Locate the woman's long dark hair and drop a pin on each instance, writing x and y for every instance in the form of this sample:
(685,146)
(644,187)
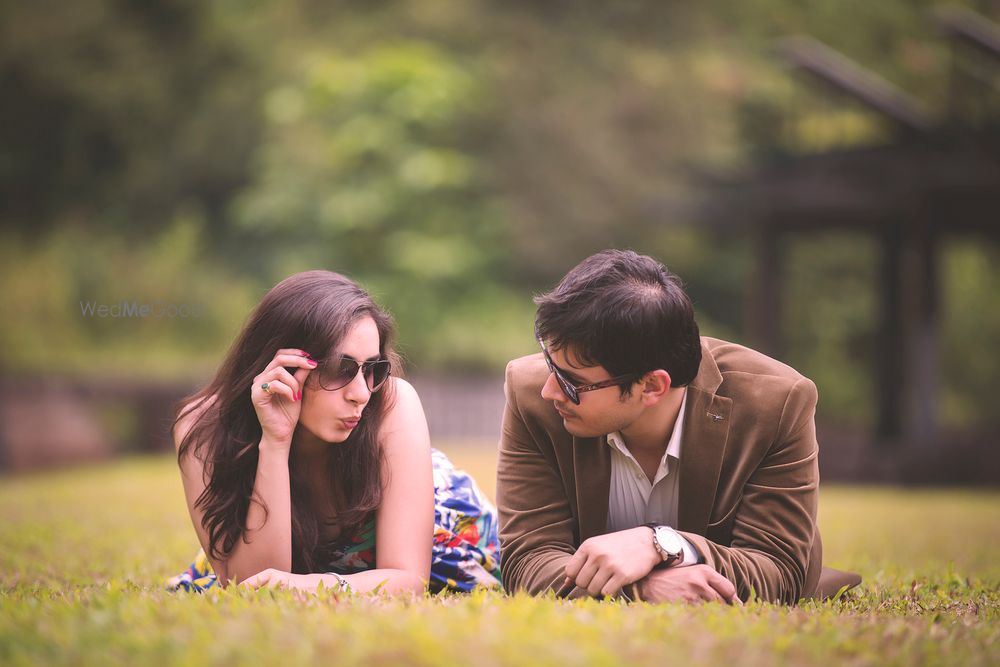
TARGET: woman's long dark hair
(312,311)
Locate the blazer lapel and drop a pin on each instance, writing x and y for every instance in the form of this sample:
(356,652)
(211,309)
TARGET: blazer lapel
(703,443)
(592,468)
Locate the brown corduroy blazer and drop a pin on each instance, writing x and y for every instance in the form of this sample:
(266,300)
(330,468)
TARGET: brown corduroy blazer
(748,478)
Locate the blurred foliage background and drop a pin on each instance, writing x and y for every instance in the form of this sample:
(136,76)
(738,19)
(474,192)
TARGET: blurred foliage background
(455,157)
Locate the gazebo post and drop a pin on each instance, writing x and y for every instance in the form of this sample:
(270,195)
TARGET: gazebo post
(921,300)
(889,343)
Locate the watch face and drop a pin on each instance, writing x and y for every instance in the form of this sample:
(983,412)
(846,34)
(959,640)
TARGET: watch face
(669,540)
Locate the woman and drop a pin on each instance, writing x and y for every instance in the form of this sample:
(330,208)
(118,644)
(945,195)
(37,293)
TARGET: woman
(306,460)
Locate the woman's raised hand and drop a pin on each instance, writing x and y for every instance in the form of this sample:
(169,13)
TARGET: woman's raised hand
(279,405)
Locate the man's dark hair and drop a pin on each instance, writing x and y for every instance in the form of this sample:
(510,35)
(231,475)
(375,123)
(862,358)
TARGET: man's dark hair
(626,312)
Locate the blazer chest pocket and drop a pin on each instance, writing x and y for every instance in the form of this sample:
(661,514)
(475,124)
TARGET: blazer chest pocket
(721,531)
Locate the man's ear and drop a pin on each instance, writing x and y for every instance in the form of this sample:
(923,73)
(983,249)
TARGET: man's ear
(655,385)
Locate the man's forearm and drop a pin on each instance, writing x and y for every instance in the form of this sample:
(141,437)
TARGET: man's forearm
(538,572)
(769,547)
(768,576)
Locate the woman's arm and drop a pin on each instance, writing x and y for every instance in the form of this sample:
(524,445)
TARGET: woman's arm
(267,537)
(404,523)
(194,477)
(264,544)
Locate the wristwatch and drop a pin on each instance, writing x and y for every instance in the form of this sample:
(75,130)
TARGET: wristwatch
(669,544)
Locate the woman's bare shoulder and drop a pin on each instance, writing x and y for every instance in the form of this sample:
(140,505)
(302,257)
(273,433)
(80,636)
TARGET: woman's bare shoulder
(190,414)
(407,413)
(405,392)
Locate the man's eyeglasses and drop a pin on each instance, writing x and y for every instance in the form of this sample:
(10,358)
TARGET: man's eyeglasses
(573,391)
(338,373)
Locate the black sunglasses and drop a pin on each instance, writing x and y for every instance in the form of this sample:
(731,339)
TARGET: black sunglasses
(573,391)
(338,373)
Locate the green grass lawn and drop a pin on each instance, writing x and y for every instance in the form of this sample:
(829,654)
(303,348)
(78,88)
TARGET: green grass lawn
(83,556)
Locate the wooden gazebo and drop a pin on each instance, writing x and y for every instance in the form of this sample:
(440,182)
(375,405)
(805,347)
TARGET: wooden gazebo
(934,177)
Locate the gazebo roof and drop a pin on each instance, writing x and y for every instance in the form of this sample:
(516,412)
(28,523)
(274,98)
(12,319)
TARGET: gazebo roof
(943,174)
(954,178)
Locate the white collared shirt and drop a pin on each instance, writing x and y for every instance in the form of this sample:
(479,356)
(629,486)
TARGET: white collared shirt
(633,500)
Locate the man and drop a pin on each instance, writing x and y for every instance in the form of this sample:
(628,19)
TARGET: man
(640,459)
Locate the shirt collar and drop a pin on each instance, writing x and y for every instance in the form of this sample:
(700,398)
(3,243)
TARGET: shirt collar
(616,440)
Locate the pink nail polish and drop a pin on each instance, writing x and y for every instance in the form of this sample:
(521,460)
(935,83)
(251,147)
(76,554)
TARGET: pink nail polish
(311,362)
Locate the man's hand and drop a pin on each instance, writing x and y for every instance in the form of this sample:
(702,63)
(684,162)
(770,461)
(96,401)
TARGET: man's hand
(605,563)
(694,583)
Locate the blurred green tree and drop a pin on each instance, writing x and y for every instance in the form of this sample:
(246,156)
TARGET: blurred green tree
(455,156)
(366,167)
(118,114)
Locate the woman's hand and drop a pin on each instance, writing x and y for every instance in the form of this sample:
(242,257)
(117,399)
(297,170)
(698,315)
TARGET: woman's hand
(287,580)
(281,579)
(384,582)
(279,406)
